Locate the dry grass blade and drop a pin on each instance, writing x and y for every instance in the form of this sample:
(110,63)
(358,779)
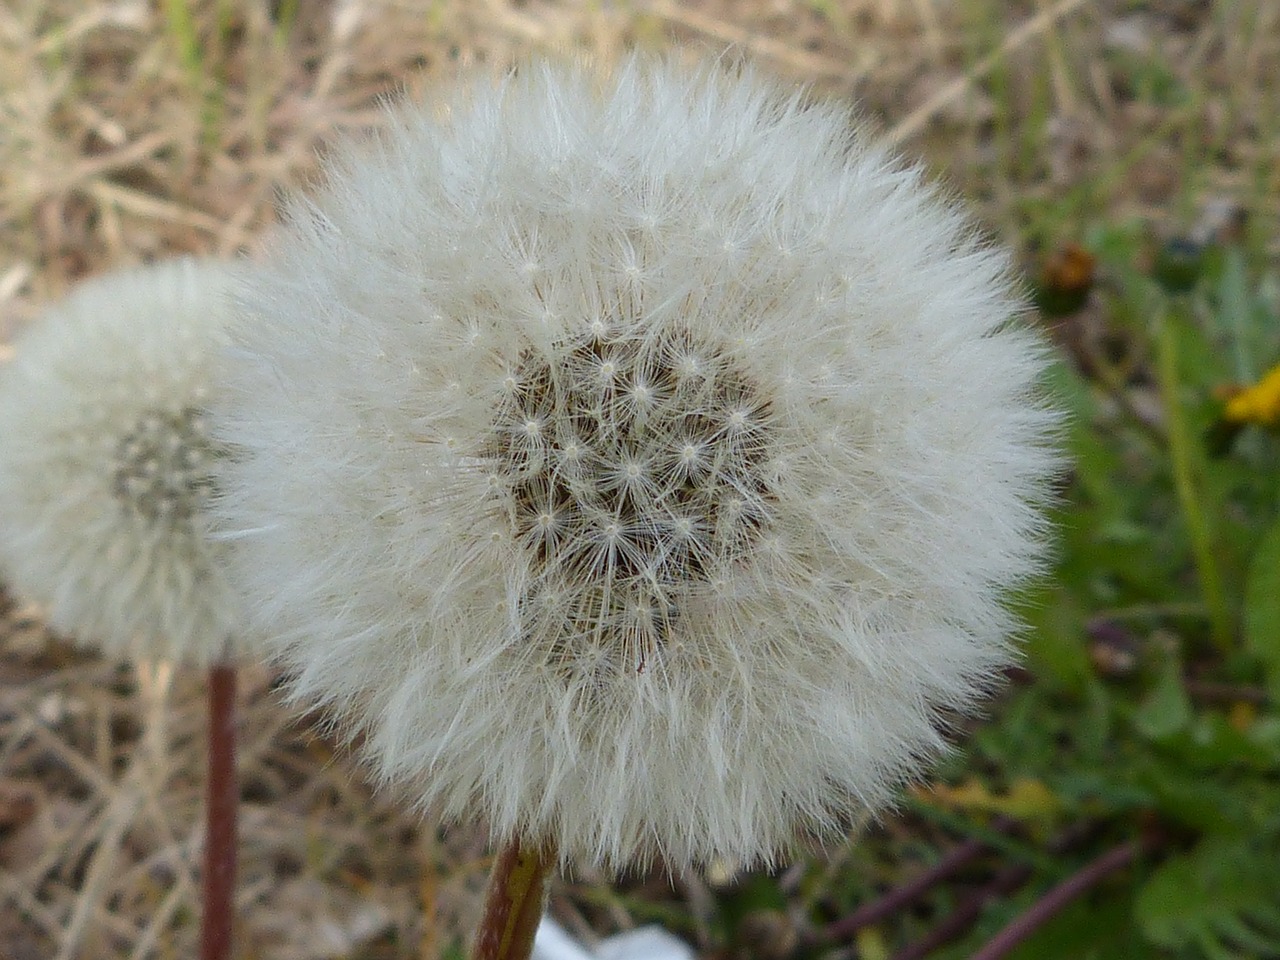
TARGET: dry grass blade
(1032,28)
(93,891)
(109,155)
(794,58)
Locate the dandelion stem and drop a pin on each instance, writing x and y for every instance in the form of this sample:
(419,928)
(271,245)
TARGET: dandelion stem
(220,831)
(514,903)
(967,912)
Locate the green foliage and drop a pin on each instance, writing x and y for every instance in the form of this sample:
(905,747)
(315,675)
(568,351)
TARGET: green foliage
(1152,709)
(1262,608)
(1166,709)
(1221,900)
(1172,552)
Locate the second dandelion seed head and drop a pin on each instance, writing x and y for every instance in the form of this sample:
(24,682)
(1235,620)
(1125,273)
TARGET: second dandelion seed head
(106,463)
(164,465)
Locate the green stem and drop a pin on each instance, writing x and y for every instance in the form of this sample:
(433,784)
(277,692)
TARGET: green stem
(1155,611)
(1181,452)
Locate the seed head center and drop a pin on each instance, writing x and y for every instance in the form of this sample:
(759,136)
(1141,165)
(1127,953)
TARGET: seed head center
(163,466)
(632,470)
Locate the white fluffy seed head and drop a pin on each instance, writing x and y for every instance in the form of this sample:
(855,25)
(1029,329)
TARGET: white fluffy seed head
(684,542)
(106,464)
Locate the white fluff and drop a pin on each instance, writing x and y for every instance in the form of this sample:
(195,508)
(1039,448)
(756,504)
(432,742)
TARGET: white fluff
(105,464)
(640,461)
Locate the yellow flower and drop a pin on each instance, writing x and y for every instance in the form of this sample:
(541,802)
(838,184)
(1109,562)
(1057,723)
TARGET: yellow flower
(1258,404)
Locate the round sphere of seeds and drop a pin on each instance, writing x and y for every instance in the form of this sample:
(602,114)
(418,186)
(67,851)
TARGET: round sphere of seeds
(106,464)
(641,461)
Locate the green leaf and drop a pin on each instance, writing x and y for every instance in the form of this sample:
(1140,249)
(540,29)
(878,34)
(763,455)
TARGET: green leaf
(1071,391)
(1262,607)
(755,894)
(1234,314)
(1166,710)
(1221,897)
(1058,647)
(1190,798)
(1211,743)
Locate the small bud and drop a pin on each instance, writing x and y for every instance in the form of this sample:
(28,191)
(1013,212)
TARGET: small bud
(1178,265)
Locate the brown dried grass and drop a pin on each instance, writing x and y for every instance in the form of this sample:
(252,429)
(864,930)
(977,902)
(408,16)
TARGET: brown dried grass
(124,138)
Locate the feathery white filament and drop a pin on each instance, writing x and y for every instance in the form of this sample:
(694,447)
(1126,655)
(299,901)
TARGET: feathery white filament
(106,465)
(642,461)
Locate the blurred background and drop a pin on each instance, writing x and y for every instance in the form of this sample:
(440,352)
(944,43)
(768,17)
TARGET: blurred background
(1122,797)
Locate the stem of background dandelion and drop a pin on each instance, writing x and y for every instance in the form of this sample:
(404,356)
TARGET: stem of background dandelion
(1182,453)
(514,903)
(222,795)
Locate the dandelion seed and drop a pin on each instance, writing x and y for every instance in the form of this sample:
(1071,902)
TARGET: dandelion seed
(106,466)
(712,656)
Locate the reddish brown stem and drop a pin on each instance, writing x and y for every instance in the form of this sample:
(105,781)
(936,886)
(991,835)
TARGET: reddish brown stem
(222,794)
(1056,899)
(913,889)
(967,912)
(513,904)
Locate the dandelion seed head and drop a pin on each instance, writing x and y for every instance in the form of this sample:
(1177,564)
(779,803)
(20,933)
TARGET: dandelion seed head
(107,464)
(711,539)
